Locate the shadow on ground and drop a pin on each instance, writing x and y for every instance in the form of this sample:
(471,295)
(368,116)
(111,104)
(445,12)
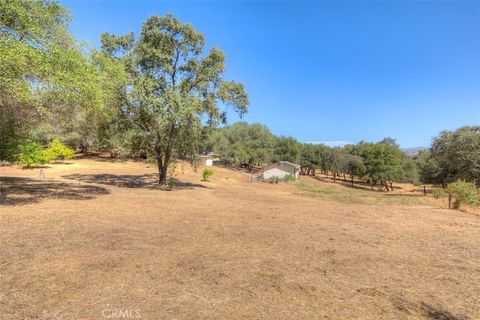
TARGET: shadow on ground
(20,191)
(423,310)
(438,313)
(362,185)
(148,181)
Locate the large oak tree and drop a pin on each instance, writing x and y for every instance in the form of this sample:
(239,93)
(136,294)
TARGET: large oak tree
(176,88)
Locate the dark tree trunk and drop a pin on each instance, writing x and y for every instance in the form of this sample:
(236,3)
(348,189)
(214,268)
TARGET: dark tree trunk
(163,168)
(386,186)
(162,174)
(334,176)
(352,179)
(344,177)
(313,172)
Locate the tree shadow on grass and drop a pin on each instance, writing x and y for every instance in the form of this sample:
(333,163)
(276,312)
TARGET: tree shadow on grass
(438,314)
(424,310)
(37,166)
(147,181)
(21,191)
(362,185)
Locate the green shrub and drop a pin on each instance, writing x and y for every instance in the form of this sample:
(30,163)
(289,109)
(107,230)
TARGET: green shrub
(273,179)
(439,193)
(288,177)
(32,154)
(59,150)
(464,192)
(206,174)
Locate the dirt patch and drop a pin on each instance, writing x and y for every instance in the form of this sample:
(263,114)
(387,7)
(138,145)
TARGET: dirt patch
(96,237)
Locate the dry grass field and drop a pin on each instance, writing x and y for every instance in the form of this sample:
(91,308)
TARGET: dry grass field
(95,239)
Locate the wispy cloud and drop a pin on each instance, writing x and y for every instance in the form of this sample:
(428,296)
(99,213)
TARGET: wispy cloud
(332,143)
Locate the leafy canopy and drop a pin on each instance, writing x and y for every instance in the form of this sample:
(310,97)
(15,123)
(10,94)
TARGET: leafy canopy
(175,87)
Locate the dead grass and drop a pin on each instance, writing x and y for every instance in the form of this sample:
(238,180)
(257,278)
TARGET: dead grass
(96,236)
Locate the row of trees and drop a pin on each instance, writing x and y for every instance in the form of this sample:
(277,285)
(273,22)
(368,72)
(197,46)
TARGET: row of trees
(453,156)
(254,145)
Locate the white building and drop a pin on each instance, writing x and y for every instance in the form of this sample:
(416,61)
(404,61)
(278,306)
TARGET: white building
(207,159)
(280,170)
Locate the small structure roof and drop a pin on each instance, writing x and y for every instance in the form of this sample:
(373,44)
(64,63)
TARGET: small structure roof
(280,163)
(290,164)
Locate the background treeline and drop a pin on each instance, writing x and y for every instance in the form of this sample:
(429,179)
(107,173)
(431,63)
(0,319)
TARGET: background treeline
(162,95)
(452,156)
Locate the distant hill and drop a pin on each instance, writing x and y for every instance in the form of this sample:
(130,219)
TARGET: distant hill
(413,151)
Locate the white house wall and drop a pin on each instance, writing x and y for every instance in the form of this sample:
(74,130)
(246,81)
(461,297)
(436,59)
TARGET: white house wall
(275,172)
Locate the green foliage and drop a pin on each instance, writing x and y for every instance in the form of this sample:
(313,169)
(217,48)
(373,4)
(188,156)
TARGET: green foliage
(464,192)
(59,150)
(312,156)
(428,167)
(288,178)
(174,85)
(11,136)
(47,86)
(383,162)
(334,160)
(244,144)
(439,193)
(455,155)
(206,174)
(112,128)
(32,154)
(409,169)
(287,149)
(355,166)
(273,179)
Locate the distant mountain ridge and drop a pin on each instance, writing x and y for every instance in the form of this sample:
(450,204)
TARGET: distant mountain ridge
(413,151)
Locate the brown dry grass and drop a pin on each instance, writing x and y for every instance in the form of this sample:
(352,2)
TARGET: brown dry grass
(95,236)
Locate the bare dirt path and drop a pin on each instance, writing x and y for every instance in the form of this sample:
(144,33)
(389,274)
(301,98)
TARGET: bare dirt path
(95,238)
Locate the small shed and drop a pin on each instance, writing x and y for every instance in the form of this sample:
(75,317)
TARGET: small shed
(281,169)
(207,159)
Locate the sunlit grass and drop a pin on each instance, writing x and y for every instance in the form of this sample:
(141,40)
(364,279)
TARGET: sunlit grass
(354,196)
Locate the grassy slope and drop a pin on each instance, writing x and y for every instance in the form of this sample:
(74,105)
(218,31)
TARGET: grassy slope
(343,194)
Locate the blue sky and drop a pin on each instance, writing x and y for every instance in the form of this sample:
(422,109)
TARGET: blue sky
(331,71)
